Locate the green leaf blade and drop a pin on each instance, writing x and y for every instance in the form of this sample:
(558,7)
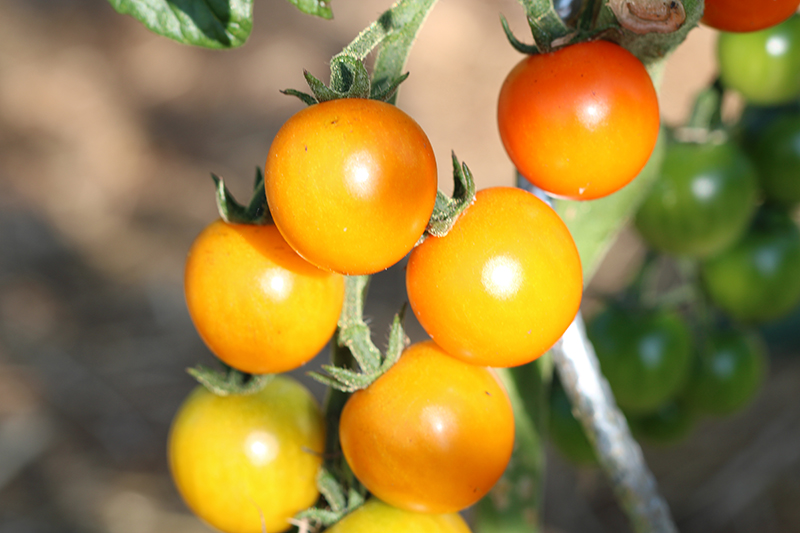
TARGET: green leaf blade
(214,24)
(317,8)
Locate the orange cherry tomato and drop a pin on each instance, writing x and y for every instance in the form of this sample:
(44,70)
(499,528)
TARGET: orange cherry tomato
(433,434)
(580,122)
(243,459)
(375,516)
(503,285)
(747,15)
(351,184)
(259,306)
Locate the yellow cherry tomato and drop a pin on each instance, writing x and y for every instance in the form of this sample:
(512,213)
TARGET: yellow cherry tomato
(241,460)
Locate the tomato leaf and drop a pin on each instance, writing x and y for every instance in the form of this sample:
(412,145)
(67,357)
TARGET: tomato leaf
(318,8)
(206,23)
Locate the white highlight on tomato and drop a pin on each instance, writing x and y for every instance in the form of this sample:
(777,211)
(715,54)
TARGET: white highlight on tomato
(502,277)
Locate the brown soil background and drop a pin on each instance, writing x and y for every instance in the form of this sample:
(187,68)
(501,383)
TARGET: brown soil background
(107,137)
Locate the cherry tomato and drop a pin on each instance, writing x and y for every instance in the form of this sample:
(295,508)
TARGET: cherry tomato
(758,278)
(351,184)
(765,65)
(645,356)
(669,424)
(702,202)
(777,156)
(580,122)
(728,373)
(503,285)
(241,460)
(259,306)
(747,15)
(433,434)
(376,516)
(566,432)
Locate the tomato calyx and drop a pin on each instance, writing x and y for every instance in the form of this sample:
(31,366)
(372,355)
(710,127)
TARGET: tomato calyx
(232,212)
(354,334)
(229,381)
(349,79)
(341,502)
(447,210)
(649,16)
(705,121)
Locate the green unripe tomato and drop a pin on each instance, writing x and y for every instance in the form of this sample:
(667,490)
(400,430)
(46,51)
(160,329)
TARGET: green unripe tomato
(763,65)
(758,278)
(670,424)
(566,432)
(702,202)
(777,156)
(644,355)
(728,372)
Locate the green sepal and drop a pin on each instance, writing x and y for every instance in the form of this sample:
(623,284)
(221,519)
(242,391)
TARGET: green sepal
(231,211)
(304,97)
(372,364)
(334,494)
(206,23)
(229,381)
(447,210)
(519,46)
(386,90)
(317,8)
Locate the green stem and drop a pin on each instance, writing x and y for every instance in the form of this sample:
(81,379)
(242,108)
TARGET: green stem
(406,18)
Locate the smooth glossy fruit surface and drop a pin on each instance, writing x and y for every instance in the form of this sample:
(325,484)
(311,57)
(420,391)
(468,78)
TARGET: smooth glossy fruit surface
(259,306)
(433,434)
(758,278)
(503,285)
(376,516)
(702,202)
(580,122)
(246,462)
(645,356)
(746,15)
(765,65)
(351,184)
(728,373)
(777,156)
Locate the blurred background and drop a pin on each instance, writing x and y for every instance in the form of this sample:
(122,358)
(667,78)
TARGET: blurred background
(108,134)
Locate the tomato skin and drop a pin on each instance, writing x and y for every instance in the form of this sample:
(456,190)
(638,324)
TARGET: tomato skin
(764,66)
(351,184)
(645,356)
(259,306)
(580,122)
(510,259)
(377,516)
(702,202)
(728,372)
(433,434)
(236,459)
(758,278)
(746,15)
(777,156)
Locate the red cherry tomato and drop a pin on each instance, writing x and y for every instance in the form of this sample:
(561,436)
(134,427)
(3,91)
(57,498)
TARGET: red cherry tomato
(580,122)
(747,15)
(503,285)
